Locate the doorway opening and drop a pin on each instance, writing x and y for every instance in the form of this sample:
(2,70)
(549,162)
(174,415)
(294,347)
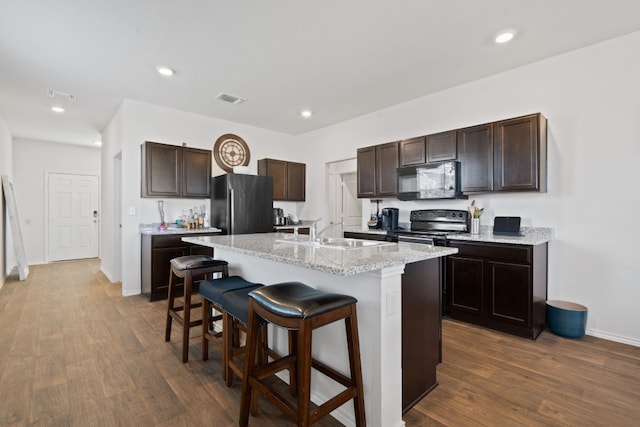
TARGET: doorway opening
(343,204)
(117,218)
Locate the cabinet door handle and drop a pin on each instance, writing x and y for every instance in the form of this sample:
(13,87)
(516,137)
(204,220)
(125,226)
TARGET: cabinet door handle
(231,210)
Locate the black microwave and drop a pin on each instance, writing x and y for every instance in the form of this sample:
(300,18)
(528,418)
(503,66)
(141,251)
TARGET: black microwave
(432,181)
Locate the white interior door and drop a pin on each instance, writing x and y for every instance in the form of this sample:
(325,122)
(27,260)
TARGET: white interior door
(351,206)
(73,216)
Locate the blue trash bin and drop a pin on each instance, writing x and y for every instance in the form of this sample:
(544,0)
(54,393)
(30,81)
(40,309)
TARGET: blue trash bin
(566,319)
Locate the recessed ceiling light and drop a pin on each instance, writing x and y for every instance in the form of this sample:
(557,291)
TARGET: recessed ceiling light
(306,113)
(57,109)
(165,71)
(505,36)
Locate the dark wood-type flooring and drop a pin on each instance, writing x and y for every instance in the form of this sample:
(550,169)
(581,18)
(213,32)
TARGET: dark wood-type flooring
(74,352)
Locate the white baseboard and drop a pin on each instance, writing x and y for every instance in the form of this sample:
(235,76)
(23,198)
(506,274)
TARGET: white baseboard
(131,293)
(612,337)
(106,273)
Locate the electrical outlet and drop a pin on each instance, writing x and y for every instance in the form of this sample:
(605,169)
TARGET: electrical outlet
(132,210)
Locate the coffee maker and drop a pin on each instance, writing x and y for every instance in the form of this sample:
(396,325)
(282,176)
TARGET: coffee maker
(390,218)
(375,220)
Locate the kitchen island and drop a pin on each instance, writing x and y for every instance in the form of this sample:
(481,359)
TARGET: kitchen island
(371,273)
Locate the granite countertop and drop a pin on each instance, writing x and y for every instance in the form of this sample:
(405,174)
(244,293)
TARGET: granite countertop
(282,247)
(155,231)
(530,236)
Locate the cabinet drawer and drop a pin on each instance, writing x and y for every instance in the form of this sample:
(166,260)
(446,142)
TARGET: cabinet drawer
(167,241)
(502,252)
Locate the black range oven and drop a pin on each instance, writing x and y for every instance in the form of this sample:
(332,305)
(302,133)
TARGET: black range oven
(435,239)
(431,227)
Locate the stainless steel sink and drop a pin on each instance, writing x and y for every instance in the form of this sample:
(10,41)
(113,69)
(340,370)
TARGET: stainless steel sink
(336,242)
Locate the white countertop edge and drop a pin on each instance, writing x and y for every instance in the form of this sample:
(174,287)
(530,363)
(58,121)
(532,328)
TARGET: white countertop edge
(157,232)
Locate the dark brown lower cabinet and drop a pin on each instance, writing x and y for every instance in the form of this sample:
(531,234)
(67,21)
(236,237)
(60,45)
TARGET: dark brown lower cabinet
(499,286)
(369,236)
(301,230)
(156,254)
(421,329)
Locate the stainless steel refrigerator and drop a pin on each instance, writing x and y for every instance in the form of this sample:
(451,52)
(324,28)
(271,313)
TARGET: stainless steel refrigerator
(242,204)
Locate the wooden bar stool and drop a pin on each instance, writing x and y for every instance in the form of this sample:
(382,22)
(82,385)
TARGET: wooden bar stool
(189,268)
(300,309)
(211,292)
(230,296)
(234,319)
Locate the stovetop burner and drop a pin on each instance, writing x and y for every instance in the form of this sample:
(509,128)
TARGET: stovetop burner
(439,222)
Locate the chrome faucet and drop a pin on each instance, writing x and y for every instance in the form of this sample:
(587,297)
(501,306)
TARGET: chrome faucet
(312,230)
(321,232)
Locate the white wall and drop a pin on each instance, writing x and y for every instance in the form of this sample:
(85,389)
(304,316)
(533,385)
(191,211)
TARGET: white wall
(33,160)
(137,122)
(591,98)
(110,252)
(7,256)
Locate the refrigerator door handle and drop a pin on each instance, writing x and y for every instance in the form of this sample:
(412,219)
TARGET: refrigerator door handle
(231,210)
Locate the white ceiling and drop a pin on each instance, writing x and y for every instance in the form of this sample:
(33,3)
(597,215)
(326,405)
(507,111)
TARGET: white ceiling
(339,58)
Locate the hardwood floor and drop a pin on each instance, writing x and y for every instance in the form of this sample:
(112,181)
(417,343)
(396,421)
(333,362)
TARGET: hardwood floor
(74,352)
(492,379)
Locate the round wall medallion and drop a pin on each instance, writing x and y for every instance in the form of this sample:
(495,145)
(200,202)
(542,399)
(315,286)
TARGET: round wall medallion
(230,150)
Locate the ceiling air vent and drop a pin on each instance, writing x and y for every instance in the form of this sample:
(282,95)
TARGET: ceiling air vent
(230,98)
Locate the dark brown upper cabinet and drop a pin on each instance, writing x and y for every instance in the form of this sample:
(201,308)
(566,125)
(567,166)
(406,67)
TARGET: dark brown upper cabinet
(508,155)
(196,172)
(296,181)
(174,171)
(476,158)
(289,178)
(377,170)
(366,159)
(442,147)
(439,147)
(520,153)
(413,151)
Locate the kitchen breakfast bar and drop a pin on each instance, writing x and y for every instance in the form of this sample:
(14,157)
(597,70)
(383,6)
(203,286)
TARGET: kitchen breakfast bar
(371,272)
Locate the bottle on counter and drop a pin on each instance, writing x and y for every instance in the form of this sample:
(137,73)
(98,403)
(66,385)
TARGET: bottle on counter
(191,220)
(185,218)
(196,216)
